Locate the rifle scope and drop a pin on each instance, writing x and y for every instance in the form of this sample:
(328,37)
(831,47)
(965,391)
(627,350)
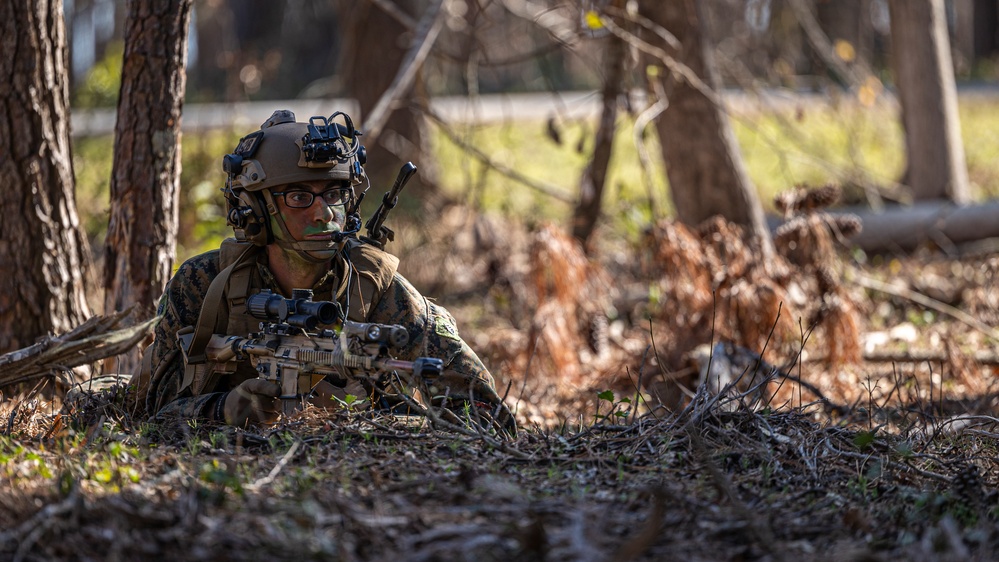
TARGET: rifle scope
(299,311)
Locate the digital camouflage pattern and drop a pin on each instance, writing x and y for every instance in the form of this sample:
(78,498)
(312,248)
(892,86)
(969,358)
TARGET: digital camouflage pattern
(431,329)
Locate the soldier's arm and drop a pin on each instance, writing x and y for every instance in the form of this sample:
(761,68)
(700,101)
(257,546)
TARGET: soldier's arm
(433,333)
(179,307)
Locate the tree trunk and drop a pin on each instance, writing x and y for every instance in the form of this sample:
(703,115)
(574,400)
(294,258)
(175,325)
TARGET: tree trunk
(142,233)
(373,47)
(44,255)
(924,77)
(706,174)
(591,185)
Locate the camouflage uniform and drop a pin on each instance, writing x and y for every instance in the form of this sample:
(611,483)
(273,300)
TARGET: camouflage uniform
(431,329)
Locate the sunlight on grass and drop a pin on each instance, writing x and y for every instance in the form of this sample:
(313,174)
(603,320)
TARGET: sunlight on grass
(814,143)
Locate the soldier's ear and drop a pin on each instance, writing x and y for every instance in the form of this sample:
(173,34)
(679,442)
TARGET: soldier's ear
(248,218)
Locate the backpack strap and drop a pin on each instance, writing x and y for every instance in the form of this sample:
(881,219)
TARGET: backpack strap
(373,270)
(214,317)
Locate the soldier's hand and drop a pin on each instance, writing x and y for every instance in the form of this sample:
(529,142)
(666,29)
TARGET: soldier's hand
(254,401)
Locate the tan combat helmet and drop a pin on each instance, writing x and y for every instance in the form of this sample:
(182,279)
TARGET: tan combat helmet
(284,151)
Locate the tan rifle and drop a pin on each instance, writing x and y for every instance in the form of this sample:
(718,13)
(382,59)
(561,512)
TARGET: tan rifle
(290,351)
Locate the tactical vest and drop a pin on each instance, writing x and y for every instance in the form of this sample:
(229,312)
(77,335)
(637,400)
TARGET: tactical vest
(224,308)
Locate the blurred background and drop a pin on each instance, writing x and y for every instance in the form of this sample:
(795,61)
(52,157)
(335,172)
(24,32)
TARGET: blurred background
(808,84)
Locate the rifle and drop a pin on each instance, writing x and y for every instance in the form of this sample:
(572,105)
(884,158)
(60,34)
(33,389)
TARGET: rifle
(378,233)
(289,351)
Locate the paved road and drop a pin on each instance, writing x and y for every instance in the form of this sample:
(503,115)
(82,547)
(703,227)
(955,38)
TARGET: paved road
(485,109)
(200,117)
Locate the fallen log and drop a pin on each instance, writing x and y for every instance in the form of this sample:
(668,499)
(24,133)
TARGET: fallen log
(981,356)
(940,223)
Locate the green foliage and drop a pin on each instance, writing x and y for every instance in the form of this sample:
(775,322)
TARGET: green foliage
(103,82)
(815,143)
(864,439)
(202,208)
(820,143)
(619,410)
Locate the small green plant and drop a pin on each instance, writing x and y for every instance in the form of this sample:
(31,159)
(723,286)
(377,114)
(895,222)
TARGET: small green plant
(220,479)
(619,410)
(218,440)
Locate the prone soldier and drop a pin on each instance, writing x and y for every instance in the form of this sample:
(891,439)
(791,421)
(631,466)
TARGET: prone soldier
(290,193)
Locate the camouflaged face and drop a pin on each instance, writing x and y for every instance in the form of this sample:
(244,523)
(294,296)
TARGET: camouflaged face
(432,331)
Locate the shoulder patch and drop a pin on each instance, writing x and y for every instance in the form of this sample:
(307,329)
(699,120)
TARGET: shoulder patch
(446,328)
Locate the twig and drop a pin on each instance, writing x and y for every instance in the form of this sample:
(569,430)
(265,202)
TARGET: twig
(548,189)
(919,298)
(274,471)
(426,34)
(393,10)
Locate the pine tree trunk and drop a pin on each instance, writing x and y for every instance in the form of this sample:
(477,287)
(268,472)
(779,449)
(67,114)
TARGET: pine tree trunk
(924,75)
(706,173)
(142,234)
(44,257)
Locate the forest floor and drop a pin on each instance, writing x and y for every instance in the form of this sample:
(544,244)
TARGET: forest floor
(680,397)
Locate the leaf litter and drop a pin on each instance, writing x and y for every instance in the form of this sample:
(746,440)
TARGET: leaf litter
(678,398)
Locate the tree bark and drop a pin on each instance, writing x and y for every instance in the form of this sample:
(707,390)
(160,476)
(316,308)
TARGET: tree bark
(142,234)
(924,77)
(706,173)
(44,255)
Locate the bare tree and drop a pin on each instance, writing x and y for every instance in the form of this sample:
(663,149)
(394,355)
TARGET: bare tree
(706,174)
(591,185)
(373,51)
(43,253)
(145,179)
(925,77)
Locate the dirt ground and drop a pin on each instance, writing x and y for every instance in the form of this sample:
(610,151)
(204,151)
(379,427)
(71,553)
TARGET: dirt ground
(681,396)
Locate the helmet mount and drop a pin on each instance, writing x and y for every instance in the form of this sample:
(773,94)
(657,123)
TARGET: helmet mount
(282,152)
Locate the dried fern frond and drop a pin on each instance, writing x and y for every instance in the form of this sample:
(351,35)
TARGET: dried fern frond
(805,241)
(827,279)
(559,267)
(759,308)
(790,201)
(725,247)
(845,226)
(840,325)
(822,197)
(802,200)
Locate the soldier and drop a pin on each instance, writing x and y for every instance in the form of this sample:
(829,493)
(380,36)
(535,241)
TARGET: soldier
(292,205)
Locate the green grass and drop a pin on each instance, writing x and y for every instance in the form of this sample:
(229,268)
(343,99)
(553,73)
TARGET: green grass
(816,144)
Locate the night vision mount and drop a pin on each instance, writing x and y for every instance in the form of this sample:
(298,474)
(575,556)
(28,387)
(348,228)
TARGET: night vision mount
(328,141)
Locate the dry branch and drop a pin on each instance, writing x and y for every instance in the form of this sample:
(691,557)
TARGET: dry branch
(545,188)
(95,339)
(926,301)
(426,34)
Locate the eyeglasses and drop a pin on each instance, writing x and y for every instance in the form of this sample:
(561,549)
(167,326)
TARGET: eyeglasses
(303,199)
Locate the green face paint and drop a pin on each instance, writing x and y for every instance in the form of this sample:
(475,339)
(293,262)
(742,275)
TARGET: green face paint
(294,221)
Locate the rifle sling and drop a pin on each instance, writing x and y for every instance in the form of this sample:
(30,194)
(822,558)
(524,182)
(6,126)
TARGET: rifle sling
(210,320)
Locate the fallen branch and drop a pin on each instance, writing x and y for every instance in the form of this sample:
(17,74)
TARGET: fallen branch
(943,224)
(982,356)
(95,339)
(919,298)
(426,34)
